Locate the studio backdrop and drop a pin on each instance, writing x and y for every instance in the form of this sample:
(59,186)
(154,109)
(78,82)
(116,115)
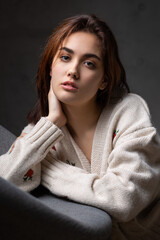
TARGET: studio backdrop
(25,26)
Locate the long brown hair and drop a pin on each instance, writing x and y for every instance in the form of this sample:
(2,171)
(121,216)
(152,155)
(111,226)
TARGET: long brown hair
(114,73)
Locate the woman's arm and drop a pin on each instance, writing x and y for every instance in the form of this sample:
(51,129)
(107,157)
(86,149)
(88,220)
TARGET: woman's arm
(130,183)
(21,165)
(131,179)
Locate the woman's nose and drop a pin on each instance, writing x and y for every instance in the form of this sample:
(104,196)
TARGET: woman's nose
(73,73)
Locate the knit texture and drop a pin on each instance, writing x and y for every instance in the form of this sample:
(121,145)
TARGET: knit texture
(21,165)
(123,176)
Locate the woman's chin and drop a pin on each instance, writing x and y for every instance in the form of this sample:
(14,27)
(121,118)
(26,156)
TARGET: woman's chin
(67,98)
(68,101)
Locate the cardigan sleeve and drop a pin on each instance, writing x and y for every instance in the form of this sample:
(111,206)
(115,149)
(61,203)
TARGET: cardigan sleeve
(21,165)
(131,180)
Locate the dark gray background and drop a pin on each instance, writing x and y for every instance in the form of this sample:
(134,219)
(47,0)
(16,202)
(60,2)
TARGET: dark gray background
(25,26)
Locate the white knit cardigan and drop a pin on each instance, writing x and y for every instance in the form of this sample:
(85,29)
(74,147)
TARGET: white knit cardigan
(123,177)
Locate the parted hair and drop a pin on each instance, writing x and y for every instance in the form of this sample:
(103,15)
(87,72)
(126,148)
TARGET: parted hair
(114,73)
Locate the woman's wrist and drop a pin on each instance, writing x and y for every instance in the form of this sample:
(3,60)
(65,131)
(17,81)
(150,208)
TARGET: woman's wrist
(55,120)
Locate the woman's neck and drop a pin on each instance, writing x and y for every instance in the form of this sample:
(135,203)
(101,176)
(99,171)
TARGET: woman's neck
(81,119)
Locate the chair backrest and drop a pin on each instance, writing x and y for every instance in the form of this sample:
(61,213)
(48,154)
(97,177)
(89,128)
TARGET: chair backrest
(6,139)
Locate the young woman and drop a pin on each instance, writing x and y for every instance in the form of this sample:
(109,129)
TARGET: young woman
(88,138)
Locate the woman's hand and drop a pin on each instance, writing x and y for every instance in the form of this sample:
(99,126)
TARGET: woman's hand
(56,114)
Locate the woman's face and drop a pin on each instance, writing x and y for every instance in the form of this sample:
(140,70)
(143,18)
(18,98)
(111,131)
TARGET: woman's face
(77,69)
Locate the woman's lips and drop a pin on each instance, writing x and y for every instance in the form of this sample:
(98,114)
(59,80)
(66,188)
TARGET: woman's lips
(70,86)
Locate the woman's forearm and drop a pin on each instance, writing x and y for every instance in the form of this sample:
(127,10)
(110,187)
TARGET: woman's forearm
(21,165)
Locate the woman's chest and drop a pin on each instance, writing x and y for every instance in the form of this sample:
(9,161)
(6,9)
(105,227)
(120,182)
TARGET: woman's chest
(91,152)
(85,143)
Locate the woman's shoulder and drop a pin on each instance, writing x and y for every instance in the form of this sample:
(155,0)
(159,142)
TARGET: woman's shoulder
(132,102)
(131,109)
(132,98)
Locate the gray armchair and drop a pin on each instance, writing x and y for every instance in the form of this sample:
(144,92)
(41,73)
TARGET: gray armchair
(44,216)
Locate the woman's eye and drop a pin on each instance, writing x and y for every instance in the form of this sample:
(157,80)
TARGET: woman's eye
(65,58)
(89,64)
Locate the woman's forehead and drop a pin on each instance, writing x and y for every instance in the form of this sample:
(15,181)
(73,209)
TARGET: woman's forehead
(83,42)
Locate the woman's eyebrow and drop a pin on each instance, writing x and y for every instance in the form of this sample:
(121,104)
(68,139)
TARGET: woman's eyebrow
(67,50)
(87,55)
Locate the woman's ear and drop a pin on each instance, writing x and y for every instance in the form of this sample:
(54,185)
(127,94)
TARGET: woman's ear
(103,85)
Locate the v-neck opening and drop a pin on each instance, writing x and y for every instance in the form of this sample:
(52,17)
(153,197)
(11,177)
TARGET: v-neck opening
(82,157)
(86,164)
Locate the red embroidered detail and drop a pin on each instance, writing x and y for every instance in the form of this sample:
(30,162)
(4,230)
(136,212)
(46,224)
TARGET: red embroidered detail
(54,148)
(11,149)
(28,175)
(115,133)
